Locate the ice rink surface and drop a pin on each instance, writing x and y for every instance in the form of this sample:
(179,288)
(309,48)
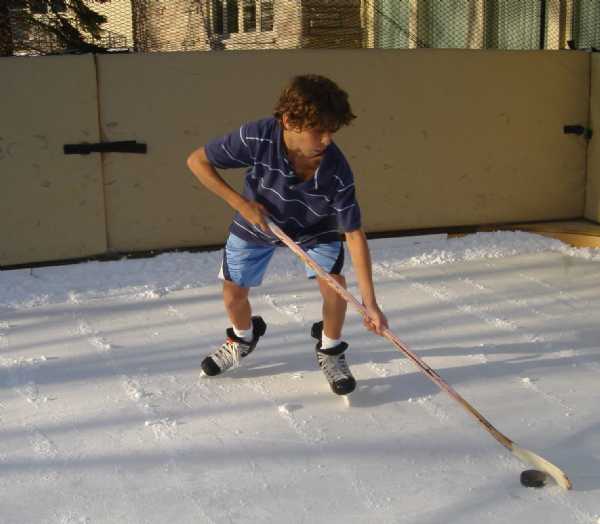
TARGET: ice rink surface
(104,418)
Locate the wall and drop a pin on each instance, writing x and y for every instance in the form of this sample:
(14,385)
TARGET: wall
(52,205)
(443,138)
(592,202)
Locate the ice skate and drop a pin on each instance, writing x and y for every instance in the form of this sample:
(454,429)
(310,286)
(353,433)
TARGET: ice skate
(233,350)
(332,362)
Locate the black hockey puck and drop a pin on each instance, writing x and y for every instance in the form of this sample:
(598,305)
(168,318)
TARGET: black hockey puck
(532,478)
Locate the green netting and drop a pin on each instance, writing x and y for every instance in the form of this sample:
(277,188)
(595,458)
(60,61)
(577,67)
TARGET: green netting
(392,24)
(432,26)
(60,26)
(586,27)
(518,24)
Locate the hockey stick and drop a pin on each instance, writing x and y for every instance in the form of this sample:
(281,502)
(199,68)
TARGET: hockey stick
(526,456)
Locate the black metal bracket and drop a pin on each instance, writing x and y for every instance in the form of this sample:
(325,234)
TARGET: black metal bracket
(578,130)
(126,146)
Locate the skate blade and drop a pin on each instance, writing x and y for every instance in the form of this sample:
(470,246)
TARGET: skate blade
(347,399)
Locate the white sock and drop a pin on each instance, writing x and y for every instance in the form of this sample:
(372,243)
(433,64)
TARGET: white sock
(244,334)
(327,342)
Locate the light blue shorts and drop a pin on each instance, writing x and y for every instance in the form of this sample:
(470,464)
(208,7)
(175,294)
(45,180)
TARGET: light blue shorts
(245,263)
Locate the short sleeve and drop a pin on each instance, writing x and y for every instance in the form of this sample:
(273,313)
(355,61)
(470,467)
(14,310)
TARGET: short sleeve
(344,196)
(347,208)
(230,151)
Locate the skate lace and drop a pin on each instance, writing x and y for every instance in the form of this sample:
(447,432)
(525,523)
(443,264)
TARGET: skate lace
(334,367)
(228,355)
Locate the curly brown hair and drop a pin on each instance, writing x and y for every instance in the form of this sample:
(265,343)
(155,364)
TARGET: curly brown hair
(313,101)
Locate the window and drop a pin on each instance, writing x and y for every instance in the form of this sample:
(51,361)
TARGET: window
(266,15)
(232,16)
(217,16)
(38,7)
(58,6)
(17,4)
(241,16)
(249,16)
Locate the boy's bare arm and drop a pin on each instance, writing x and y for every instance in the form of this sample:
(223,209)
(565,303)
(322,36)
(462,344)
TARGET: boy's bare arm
(361,260)
(204,171)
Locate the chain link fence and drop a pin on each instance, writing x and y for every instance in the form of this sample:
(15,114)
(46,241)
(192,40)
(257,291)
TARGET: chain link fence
(29,27)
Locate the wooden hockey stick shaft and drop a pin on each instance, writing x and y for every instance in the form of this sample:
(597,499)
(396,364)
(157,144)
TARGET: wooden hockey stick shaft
(525,455)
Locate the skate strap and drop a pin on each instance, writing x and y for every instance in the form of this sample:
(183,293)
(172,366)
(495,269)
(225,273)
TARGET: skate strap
(334,351)
(259,327)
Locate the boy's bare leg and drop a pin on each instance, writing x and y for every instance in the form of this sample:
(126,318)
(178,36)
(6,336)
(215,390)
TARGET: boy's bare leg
(237,304)
(334,308)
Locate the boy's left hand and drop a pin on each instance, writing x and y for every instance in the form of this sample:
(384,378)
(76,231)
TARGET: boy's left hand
(377,321)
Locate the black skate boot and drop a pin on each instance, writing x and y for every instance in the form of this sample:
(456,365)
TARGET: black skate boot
(332,362)
(233,350)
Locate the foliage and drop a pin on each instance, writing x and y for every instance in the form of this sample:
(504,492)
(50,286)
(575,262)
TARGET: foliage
(49,26)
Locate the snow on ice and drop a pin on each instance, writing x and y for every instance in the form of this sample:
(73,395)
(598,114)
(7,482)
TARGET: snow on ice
(105,419)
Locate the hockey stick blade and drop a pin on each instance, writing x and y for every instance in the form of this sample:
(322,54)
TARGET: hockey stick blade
(529,457)
(526,456)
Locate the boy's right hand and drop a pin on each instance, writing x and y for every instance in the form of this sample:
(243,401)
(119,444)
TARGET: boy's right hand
(254,213)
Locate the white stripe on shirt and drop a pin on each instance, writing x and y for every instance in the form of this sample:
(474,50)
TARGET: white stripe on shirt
(344,208)
(317,235)
(287,220)
(262,184)
(242,137)
(344,188)
(259,139)
(317,195)
(274,169)
(341,183)
(232,157)
(256,230)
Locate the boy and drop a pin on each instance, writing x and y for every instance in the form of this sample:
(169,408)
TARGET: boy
(299,178)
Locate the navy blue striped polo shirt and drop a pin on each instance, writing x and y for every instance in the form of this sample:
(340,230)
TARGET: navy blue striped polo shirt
(310,212)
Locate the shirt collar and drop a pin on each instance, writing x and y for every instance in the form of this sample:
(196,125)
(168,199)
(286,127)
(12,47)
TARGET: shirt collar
(321,173)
